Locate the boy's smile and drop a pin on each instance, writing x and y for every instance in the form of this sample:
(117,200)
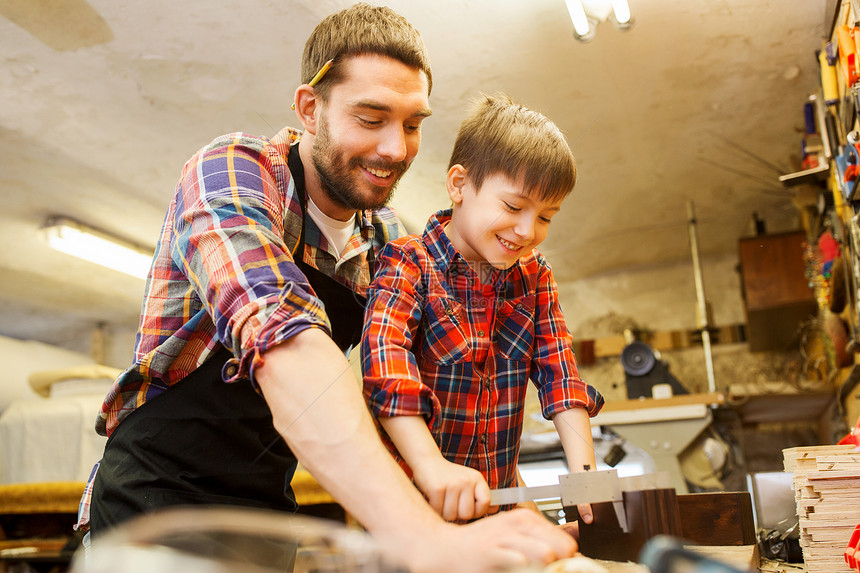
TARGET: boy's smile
(498,223)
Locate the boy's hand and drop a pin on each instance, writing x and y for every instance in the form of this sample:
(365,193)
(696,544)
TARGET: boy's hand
(455,492)
(572,527)
(585,513)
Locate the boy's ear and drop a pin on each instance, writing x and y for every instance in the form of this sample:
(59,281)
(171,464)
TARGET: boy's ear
(307,106)
(456,181)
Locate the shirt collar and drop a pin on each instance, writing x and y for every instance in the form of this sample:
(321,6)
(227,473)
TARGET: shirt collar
(445,254)
(437,242)
(365,221)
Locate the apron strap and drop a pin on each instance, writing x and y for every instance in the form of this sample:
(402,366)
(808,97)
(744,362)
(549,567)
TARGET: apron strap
(344,307)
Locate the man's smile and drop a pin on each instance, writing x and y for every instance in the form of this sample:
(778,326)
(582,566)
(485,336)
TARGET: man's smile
(376,172)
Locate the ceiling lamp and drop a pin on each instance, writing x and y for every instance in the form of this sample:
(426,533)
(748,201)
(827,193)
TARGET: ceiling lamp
(97,247)
(587,14)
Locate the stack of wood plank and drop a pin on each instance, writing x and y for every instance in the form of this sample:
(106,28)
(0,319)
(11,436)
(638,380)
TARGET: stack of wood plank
(826,486)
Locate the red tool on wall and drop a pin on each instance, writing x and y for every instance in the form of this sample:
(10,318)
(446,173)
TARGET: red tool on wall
(852,553)
(848,53)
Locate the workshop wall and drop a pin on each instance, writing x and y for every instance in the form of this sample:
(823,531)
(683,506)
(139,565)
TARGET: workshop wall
(660,299)
(21,358)
(118,347)
(653,298)
(733,364)
(107,345)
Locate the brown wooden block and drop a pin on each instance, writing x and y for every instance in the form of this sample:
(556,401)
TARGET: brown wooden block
(719,518)
(649,513)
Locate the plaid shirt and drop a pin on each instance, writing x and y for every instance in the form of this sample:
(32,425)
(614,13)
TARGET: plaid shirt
(424,329)
(223,271)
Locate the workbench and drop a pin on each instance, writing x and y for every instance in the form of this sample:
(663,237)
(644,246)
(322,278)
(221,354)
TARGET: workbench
(780,402)
(662,427)
(745,557)
(36,522)
(36,519)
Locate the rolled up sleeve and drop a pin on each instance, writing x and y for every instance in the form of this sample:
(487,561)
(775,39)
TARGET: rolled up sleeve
(553,363)
(392,382)
(228,241)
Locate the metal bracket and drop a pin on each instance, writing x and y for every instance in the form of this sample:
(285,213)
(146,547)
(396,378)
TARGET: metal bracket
(586,487)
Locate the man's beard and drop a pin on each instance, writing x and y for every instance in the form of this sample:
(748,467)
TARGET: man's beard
(338,182)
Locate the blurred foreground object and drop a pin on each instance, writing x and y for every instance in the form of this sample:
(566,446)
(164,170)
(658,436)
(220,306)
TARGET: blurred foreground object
(578,564)
(663,554)
(227,539)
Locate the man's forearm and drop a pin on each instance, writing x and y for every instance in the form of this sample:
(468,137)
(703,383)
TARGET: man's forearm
(318,409)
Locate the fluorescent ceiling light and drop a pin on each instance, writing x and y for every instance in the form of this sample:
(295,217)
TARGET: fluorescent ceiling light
(621,11)
(587,14)
(577,15)
(92,245)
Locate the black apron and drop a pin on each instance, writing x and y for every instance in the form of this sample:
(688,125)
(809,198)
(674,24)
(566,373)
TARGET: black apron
(204,441)
(344,307)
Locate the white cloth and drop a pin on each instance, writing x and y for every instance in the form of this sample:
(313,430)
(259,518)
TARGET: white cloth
(52,439)
(337,232)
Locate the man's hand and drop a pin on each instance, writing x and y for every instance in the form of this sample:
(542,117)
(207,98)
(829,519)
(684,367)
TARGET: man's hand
(455,492)
(571,528)
(317,408)
(500,542)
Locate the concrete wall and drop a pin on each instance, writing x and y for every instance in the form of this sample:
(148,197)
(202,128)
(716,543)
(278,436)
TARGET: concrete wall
(664,299)
(655,298)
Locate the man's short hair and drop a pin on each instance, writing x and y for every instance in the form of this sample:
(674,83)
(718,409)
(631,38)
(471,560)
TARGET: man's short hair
(362,29)
(501,136)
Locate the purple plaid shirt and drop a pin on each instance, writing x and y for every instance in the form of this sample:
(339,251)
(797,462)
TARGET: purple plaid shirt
(223,271)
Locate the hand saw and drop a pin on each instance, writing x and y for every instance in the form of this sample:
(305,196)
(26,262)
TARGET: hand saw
(585,487)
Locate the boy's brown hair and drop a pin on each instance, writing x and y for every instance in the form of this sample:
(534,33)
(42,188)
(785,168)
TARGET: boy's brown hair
(501,136)
(362,29)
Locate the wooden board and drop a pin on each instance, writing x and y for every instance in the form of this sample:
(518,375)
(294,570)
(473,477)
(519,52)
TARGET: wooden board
(741,557)
(649,513)
(42,497)
(708,399)
(826,482)
(587,351)
(719,518)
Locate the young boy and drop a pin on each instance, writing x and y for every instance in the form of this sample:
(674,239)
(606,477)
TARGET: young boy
(459,318)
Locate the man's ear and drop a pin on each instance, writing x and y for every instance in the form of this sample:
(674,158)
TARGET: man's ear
(456,182)
(307,105)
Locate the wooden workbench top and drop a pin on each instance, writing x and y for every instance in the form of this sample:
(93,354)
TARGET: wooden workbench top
(715,398)
(64,497)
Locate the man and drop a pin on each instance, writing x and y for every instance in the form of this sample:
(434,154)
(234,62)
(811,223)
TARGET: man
(258,278)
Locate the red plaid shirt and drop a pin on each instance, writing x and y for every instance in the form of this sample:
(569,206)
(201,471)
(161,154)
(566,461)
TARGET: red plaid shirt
(431,348)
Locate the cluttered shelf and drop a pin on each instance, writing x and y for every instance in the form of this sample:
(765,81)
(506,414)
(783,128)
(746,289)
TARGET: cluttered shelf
(826,192)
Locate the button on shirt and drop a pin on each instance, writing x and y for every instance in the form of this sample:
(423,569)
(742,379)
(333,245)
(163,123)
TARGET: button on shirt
(431,348)
(223,271)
